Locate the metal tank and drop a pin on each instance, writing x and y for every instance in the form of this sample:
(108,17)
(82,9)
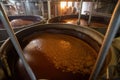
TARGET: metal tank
(98,23)
(19,22)
(9,56)
(94,14)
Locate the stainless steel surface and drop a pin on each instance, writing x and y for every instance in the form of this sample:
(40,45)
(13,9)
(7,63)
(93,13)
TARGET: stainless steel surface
(80,9)
(90,14)
(49,10)
(110,34)
(69,29)
(14,40)
(35,19)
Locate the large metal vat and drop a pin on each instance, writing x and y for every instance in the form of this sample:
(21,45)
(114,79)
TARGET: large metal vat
(21,20)
(98,22)
(9,56)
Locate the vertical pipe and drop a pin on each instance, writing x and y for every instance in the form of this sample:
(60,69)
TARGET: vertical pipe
(24,7)
(80,10)
(27,7)
(15,42)
(56,9)
(42,9)
(18,12)
(49,10)
(90,14)
(110,34)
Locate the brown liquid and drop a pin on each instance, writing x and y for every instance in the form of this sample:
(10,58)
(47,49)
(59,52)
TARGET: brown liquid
(83,22)
(58,56)
(18,23)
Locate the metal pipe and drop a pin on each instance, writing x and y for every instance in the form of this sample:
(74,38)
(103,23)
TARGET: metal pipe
(90,14)
(80,9)
(49,10)
(110,34)
(56,9)
(18,12)
(28,7)
(42,7)
(15,42)
(24,7)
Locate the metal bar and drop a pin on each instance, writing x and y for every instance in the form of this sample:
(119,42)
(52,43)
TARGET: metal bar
(56,9)
(49,10)
(18,12)
(80,9)
(90,14)
(15,42)
(24,7)
(28,8)
(110,34)
(42,9)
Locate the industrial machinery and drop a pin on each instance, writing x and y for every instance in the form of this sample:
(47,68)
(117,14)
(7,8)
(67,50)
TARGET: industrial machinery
(66,42)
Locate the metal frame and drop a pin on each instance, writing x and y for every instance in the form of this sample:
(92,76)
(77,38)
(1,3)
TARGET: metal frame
(111,31)
(110,34)
(15,42)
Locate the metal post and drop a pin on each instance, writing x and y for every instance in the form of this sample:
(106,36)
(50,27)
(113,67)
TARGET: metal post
(24,7)
(90,14)
(110,34)
(42,9)
(15,42)
(49,10)
(17,8)
(56,9)
(80,9)
(27,8)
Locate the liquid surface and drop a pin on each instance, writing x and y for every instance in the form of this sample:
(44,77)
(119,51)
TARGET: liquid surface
(18,23)
(82,22)
(64,53)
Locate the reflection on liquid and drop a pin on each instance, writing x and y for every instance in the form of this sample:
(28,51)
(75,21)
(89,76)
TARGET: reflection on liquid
(83,22)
